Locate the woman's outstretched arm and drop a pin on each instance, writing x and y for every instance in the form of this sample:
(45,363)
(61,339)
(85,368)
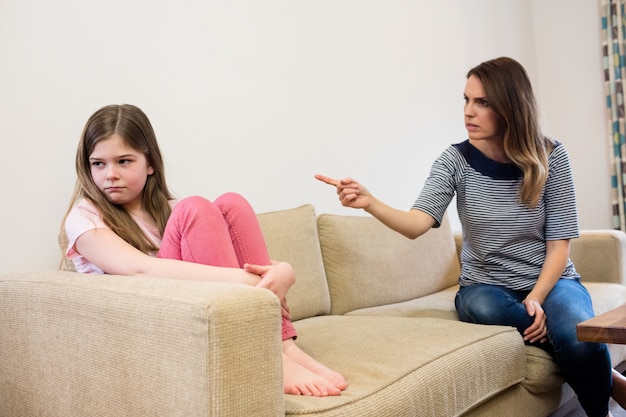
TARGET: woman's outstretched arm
(411,224)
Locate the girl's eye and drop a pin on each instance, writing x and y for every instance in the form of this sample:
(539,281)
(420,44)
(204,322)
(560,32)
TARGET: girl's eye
(97,164)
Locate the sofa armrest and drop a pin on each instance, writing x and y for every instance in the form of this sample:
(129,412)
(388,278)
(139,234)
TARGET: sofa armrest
(75,344)
(599,255)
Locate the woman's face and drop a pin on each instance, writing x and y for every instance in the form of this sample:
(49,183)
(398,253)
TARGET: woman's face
(481,121)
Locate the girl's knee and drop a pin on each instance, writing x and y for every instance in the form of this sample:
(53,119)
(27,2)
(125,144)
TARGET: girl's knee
(193,206)
(193,201)
(230,207)
(231,199)
(234,205)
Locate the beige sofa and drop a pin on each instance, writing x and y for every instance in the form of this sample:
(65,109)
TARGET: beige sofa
(375,306)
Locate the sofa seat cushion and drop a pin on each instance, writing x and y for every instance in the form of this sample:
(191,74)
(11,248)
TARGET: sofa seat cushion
(400,366)
(542,373)
(437,305)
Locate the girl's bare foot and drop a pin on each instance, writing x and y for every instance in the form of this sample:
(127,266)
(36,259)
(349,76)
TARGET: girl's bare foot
(619,389)
(298,380)
(292,351)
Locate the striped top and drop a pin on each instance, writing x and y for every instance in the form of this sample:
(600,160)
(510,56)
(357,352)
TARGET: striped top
(504,242)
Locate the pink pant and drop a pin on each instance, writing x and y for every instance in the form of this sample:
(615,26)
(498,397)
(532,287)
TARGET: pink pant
(221,233)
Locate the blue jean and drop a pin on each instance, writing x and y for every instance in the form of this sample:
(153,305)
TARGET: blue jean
(585,366)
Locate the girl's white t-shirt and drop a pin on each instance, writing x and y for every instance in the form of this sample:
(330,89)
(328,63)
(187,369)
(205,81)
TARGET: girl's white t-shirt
(85,217)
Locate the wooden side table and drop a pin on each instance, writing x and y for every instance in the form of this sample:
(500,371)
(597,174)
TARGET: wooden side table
(609,327)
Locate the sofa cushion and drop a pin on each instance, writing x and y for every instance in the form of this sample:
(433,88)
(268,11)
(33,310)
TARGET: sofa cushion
(367,264)
(291,236)
(542,373)
(401,366)
(599,255)
(437,305)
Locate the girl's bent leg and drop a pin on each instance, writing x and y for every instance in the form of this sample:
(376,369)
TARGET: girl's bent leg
(244,229)
(225,233)
(247,239)
(196,232)
(301,373)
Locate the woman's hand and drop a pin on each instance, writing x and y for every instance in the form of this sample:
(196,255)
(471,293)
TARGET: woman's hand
(351,193)
(537,331)
(277,277)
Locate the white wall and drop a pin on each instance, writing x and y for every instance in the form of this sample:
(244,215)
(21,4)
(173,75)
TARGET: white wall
(571,93)
(257,97)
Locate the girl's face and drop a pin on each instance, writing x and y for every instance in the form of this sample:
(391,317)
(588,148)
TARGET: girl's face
(120,172)
(481,121)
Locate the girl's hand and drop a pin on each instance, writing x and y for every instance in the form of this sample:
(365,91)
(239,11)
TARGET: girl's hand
(351,193)
(284,309)
(537,331)
(278,277)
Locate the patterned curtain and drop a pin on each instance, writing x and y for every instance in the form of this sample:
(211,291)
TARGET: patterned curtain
(613,48)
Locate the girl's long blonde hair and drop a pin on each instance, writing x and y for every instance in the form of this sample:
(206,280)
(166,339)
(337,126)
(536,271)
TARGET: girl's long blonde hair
(510,95)
(133,126)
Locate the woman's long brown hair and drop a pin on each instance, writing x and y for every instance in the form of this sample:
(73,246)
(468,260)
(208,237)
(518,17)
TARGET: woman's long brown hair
(510,95)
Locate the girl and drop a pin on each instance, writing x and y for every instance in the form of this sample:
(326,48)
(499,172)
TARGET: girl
(516,202)
(123,220)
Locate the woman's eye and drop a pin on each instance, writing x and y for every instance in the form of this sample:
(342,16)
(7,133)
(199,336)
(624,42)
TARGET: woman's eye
(96,164)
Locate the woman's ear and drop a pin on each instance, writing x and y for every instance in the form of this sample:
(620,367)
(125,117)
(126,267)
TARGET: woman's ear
(150,170)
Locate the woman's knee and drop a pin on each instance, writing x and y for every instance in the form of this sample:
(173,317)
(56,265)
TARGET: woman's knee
(482,313)
(568,304)
(491,304)
(476,303)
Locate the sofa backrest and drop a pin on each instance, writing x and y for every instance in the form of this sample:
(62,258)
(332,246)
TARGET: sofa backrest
(291,236)
(367,264)
(599,255)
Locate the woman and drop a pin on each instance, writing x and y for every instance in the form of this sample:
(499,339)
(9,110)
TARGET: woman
(517,207)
